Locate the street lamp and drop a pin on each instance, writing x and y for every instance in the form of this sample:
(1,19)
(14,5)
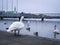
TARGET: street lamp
(2,5)
(6,5)
(12,5)
(17,5)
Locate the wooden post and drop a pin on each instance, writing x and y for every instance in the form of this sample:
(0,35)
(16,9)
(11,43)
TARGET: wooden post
(1,18)
(42,19)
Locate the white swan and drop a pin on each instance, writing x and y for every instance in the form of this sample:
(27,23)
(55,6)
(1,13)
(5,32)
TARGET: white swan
(56,31)
(16,26)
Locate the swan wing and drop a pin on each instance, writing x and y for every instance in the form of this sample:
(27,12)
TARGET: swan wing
(16,25)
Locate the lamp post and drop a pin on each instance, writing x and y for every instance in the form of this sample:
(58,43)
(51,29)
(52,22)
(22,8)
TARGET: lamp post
(2,5)
(17,5)
(6,5)
(12,5)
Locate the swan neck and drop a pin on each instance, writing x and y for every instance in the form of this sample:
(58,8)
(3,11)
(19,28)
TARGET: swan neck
(22,17)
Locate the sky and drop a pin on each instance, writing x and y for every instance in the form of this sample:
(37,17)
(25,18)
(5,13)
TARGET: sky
(31,6)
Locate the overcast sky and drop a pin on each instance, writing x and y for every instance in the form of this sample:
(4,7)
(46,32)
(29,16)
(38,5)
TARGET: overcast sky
(32,6)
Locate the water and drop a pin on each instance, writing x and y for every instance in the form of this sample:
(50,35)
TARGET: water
(44,29)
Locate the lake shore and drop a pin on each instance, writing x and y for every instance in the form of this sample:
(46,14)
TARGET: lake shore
(10,39)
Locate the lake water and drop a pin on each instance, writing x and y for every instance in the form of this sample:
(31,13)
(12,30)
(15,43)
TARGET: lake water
(44,29)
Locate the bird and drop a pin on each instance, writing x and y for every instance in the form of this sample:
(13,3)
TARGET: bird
(28,26)
(16,26)
(56,31)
